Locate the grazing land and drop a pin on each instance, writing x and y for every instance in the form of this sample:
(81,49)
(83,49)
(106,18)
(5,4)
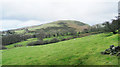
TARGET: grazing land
(78,51)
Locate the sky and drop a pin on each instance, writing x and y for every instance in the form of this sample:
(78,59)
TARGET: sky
(21,13)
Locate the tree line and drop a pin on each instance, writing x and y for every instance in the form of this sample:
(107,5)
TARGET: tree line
(113,26)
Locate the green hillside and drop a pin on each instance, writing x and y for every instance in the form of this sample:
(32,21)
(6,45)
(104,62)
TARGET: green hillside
(79,51)
(61,24)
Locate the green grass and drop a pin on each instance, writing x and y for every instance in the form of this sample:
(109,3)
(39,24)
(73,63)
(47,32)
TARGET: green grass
(24,43)
(20,31)
(38,27)
(44,26)
(79,51)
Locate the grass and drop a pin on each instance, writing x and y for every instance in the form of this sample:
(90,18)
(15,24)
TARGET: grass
(20,31)
(38,27)
(44,26)
(79,51)
(24,43)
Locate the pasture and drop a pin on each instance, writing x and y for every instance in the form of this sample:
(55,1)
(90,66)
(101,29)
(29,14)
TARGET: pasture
(78,51)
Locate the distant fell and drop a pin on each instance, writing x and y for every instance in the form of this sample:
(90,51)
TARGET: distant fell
(60,25)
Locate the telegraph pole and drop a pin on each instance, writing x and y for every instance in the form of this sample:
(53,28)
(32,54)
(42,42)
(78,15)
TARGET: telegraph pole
(119,9)
(118,30)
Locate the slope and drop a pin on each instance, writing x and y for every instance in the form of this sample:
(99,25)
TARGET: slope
(79,51)
(61,24)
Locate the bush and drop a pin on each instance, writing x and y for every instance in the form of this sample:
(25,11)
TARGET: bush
(31,44)
(94,33)
(10,39)
(54,40)
(74,36)
(40,42)
(18,45)
(69,38)
(1,48)
(63,39)
(46,42)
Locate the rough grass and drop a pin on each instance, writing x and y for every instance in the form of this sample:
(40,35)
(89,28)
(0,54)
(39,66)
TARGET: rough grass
(44,26)
(78,27)
(38,27)
(79,51)
(20,31)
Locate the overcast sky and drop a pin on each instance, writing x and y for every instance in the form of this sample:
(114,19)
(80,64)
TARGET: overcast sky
(21,13)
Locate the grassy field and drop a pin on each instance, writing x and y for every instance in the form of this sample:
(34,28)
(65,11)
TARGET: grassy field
(79,51)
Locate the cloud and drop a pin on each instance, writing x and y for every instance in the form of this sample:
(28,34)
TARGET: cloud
(14,24)
(50,9)
(31,23)
(24,12)
(9,24)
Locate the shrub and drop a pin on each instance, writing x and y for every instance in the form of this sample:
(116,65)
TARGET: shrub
(18,45)
(63,39)
(2,48)
(31,44)
(40,42)
(69,38)
(74,36)
(10,39)
(94,33)
(46,42)
(54,40)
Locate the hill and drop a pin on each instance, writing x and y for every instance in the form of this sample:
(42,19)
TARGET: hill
(79,51)
(57,26)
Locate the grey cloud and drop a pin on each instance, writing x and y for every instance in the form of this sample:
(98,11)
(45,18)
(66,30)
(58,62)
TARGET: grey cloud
(88,11)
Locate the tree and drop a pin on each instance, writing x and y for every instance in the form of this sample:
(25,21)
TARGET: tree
(14,38)
(86,30)
(112,27)
(40,35)
(26,30)
(9,32)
